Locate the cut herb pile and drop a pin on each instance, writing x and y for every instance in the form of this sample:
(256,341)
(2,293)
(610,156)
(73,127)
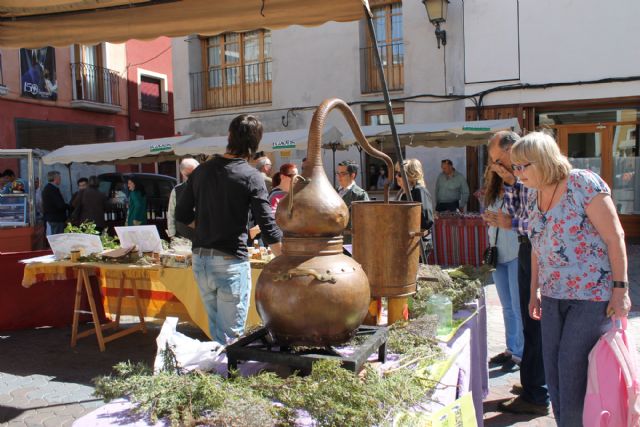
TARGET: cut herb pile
(331,395)
(462,285)
(89,227)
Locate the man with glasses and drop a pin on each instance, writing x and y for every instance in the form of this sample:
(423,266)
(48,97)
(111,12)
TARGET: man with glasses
(452,190)
(349,190)
(534,398)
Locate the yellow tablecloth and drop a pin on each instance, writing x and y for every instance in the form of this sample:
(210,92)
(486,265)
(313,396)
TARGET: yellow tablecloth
(163,291)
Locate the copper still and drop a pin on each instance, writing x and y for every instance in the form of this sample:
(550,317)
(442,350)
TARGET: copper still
(313,294)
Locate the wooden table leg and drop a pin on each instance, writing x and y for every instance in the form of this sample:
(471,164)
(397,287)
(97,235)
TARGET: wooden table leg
(119,303)
(138,306)
(94,311)
(76,310)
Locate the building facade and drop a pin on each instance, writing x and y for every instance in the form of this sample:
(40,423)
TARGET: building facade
(282,75)
(52,97)
(572,69)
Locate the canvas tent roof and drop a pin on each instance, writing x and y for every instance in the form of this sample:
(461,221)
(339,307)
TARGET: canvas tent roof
(137,151)
(271,141)
(451,134)
(38,23)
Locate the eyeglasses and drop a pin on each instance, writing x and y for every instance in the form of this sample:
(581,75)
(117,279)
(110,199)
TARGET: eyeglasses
(342,173)
(521,168)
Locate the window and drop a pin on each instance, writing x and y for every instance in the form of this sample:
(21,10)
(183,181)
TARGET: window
(238,71)
(387,23)
(3,88)
(93,81)
(151,94)
(374,167)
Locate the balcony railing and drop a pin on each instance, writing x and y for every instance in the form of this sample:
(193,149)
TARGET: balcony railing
(392,57)
(95,84)
(158,107)
(221,87)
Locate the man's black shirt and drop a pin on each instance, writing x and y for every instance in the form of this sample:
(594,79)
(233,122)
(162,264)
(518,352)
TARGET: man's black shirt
(223,191)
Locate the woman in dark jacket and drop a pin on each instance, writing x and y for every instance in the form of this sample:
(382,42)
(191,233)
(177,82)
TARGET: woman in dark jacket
(90,205)
(137,213)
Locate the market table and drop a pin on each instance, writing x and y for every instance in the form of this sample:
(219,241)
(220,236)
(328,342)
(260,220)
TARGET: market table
(162,291)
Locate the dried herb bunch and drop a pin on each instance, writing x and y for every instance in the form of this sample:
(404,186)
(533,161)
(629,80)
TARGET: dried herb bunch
(331,395)
(462,285)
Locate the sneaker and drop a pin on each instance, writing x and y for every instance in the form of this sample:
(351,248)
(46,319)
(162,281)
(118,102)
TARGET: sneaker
(518,405)
(500,359)
(516,389)
(510,366)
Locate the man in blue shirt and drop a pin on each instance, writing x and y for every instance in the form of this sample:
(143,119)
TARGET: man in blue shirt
(534,398)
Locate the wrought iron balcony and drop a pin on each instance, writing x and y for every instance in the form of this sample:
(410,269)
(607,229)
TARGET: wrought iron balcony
(392,57)
(95,88)
(221,87)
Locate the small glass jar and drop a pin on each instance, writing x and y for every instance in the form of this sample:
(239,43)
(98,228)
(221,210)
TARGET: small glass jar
(440,306)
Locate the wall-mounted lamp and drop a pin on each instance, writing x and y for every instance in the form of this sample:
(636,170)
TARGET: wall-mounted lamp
(437,13)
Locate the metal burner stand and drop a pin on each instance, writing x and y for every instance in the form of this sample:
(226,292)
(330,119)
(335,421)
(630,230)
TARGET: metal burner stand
(258,347)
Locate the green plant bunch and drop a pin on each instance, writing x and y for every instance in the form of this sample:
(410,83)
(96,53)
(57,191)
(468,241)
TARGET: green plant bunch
(89,227)
(331,395)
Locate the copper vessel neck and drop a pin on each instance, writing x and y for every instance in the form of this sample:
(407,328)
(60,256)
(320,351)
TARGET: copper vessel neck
(311,246)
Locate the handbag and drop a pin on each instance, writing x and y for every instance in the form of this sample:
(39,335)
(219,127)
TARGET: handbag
(490,255)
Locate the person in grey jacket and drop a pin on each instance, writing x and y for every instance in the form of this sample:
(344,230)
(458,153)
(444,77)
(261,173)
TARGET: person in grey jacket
(90,205)
(177,228)
(452,190)
(349,190)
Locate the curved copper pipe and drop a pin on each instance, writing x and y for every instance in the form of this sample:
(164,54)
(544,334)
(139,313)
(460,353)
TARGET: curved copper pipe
(315,136)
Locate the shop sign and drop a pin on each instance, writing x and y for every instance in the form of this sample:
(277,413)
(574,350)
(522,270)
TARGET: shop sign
(284,145)
(156,148)
(476,129)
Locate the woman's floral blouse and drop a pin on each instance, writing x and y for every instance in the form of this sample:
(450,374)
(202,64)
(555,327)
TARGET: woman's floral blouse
(573,261)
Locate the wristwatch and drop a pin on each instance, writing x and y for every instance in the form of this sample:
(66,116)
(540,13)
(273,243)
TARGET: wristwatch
(620,285)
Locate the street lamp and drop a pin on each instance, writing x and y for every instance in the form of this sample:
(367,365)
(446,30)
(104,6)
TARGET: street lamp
(437,13)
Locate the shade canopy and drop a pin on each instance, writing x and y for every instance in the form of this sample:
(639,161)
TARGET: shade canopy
(271,142)
(443,135)
(137,151)
(38,23)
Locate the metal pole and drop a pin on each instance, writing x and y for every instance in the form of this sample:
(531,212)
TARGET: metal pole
(392,123)
(334,147)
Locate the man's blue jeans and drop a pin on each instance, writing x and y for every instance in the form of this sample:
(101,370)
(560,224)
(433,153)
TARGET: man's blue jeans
(506,279)
(225,283)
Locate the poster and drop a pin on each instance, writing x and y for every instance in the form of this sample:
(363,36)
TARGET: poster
(38,73)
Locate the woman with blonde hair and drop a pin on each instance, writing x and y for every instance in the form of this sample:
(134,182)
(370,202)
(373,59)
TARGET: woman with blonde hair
(505,275)
(419,193)
(578,266)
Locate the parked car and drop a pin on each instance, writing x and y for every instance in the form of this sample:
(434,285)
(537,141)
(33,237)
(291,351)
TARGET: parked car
(157,188)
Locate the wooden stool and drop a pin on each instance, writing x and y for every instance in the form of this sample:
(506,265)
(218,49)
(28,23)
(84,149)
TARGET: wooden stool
(98,328)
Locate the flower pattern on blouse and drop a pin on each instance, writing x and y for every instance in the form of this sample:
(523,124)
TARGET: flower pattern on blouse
(573,261)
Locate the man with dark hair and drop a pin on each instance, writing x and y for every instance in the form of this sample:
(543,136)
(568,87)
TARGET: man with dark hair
(452,190)
(219,195)
(8,176)
(83,183)
(534,398)
(349,190)
(54,208)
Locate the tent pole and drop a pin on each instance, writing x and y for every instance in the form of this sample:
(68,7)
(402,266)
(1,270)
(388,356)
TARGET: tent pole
(392,123)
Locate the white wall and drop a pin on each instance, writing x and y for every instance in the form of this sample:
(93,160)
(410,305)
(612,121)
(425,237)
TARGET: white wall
(559,41)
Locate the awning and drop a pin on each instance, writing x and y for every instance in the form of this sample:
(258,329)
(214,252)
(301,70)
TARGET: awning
(38,23)
(443,135)
(137,151)
(271,142)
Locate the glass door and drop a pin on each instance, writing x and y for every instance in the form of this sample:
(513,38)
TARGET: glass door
(626,163)
(584,146)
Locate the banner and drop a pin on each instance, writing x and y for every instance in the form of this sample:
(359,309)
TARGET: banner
(38,73)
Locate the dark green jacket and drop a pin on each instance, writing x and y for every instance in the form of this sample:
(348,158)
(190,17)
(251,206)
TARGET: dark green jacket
(137,208)
(354,194)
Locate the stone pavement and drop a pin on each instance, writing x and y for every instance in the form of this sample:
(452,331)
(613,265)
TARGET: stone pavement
(45,382)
